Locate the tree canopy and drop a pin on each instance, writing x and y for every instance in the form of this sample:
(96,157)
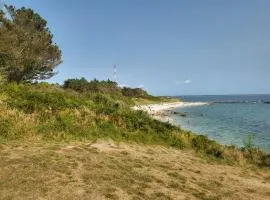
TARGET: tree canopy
(82,85)
(134,92)
(27,51)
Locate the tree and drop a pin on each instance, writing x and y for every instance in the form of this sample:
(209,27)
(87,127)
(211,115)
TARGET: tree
(134,92)
(80,85)
(27,51)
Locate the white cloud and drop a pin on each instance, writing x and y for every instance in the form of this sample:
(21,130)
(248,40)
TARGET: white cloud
(182,82)
(187,81)
(141,86)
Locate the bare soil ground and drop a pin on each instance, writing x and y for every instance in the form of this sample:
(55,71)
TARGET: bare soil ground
(107,170)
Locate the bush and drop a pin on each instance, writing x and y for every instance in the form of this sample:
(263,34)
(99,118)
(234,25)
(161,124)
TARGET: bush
(249,142)
(15,125)
(5,127)
(136,92)
(32,99)
(82,85)
(202,143)
(2,80)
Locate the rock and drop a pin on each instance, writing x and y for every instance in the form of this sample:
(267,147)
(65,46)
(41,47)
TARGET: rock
(182,114)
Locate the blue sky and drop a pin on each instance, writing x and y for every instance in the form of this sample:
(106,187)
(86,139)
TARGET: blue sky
(170,47)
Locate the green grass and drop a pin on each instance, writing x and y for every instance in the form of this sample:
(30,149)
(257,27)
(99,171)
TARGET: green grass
(44,112)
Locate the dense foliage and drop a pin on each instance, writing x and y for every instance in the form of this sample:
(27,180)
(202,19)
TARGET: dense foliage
(27,51)
(134,92)
(82,85)
(111,87)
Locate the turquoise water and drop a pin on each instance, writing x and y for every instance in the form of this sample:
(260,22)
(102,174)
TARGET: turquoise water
(230,120)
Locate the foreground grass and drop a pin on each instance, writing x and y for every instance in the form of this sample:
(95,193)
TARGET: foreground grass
(104,169)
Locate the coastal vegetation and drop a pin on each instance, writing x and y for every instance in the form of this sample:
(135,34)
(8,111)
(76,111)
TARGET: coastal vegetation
(27,51)
(90,144)
(49,112)
(53,137)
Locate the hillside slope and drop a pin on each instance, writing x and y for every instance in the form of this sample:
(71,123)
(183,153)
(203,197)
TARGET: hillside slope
(49,113)
(54,145)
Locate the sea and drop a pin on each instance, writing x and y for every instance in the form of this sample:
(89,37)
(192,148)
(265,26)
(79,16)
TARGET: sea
(229,119)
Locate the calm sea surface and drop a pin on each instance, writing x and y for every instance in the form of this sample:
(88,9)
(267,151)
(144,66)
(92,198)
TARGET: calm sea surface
(229,119)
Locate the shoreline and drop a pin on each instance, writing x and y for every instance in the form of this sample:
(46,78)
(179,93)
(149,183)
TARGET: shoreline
(162,112)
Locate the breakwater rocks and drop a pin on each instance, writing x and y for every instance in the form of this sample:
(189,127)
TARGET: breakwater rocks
(181,114)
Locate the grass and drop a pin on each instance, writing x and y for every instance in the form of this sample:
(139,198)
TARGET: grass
(100,170)
(44,112)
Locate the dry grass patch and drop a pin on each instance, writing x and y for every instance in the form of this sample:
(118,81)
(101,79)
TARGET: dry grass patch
(108,170)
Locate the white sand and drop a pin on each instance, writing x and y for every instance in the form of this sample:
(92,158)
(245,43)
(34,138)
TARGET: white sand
(158,111)
(153,108)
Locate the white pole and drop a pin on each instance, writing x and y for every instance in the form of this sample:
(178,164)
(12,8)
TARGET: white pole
(114,73)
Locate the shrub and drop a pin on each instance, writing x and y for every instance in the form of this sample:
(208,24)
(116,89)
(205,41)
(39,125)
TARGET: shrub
(82,85)
(31,99)
(2,80)
(249,141)
(5,127)
(202,143)
(16,125)
(136,92)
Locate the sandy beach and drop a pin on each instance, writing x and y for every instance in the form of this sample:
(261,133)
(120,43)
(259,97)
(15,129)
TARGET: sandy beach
(162,111)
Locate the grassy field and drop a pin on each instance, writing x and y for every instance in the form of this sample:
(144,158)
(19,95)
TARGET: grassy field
(59,143)
(104,169)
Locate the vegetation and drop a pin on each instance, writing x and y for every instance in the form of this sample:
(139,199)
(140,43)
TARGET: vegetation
(96,86)
(49,133)
(45,112)
(27,51)
(82,85)
(104,169)
(136,92)
(63,114)
(249,142)
(80,109)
